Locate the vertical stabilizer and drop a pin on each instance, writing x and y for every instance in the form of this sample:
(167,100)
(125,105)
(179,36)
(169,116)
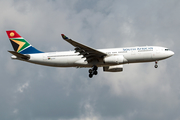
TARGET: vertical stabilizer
(19,44)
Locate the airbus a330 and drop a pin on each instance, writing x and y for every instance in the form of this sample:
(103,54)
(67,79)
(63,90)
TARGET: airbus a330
(112,60)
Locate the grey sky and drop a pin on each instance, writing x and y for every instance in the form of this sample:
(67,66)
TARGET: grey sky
(140,92)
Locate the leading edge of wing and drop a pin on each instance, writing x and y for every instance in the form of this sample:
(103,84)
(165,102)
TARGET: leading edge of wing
(84,47)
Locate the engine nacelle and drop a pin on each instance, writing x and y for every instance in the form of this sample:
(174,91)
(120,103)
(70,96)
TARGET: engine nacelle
(116,68)
(114,59)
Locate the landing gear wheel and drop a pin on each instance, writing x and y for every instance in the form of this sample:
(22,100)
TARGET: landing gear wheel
(95,73)
(156,66)
(90,75)
(95,67)
(90,71)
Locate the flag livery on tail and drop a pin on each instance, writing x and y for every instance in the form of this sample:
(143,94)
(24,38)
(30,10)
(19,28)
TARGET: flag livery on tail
(19,44)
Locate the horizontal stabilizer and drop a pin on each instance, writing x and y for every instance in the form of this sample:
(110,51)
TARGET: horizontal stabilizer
(19,55)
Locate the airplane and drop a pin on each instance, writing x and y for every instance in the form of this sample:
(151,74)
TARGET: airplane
(112,60)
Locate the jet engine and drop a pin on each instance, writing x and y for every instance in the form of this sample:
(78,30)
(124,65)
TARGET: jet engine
(114,59)
(116,68)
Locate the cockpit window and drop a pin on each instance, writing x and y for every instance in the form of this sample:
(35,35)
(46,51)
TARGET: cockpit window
(166,49)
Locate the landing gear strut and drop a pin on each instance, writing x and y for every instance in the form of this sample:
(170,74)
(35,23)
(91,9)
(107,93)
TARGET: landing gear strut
(156,66)
(93,71)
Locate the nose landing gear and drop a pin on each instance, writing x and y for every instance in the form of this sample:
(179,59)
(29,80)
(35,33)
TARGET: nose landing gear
(93,71)
(156,66)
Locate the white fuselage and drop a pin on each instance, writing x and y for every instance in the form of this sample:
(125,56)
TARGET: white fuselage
(129,54)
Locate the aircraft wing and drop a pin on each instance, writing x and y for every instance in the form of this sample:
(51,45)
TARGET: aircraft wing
(87,52)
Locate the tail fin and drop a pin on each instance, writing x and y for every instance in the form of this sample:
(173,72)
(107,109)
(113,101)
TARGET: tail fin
(19,44)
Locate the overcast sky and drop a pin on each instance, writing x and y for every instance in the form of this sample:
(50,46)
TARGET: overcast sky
(140,92)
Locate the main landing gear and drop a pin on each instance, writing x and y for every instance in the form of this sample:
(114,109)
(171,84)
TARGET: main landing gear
(93,71)
(156,66)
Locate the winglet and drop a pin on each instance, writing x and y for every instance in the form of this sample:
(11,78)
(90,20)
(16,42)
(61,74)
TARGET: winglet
(64,37)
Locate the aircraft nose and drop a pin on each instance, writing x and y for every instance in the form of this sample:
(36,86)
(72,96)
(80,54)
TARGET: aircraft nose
(171,53)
